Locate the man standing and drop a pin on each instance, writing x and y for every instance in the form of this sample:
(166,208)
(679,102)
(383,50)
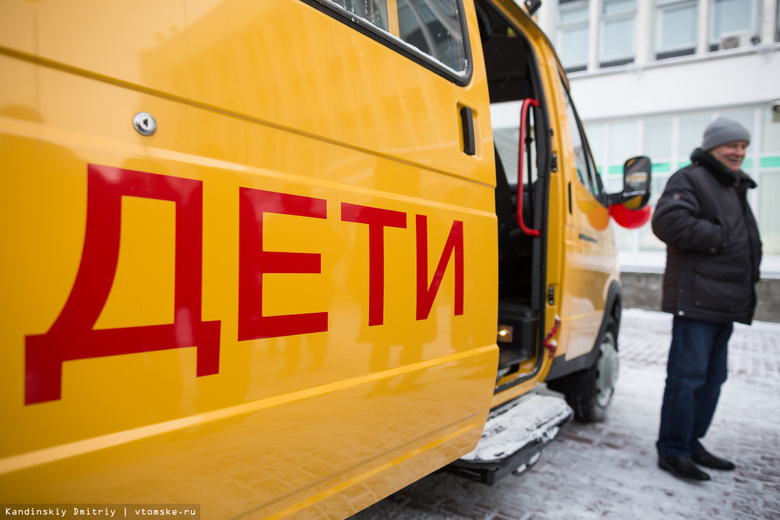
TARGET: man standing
(712,259)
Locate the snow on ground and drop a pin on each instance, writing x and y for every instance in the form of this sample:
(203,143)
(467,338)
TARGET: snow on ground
(608,470)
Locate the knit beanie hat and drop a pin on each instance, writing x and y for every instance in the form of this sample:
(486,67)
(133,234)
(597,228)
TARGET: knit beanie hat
(722,131)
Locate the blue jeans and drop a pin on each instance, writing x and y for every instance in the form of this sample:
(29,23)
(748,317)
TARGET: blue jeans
(696,370)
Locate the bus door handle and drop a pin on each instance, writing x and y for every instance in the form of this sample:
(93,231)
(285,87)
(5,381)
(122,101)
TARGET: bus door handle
(467,123)
(520,160)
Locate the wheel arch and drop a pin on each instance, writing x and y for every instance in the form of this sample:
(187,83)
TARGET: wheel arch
(613,308)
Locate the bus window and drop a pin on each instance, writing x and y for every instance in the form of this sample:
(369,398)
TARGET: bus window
(431,32)
(586,170)
(374,11)
(434,27)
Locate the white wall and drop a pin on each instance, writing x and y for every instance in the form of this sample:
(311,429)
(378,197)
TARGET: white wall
(719,80)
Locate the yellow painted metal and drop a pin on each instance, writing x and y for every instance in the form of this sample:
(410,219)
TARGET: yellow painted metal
(580,272)
(275,96)
(585,248)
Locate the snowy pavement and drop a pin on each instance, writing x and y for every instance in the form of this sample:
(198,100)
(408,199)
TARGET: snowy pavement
(608,470)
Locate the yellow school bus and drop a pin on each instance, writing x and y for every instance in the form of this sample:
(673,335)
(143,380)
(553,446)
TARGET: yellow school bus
(255,253)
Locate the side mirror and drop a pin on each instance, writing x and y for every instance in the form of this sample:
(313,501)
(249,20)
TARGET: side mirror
(629,207)
(636,184)
(532,6)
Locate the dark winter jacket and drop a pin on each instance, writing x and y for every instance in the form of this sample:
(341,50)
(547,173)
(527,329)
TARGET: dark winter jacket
(713,247)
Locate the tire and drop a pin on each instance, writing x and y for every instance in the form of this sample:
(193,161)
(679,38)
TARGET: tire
(589,392)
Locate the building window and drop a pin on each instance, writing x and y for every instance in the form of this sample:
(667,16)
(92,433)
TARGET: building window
(596,136)
(617,32)
(777,21)
(623,144)
(675,28)
(691,130)
(771,132)
(657,141)
(573,36)
(769,212)
(769,182)
(732,23)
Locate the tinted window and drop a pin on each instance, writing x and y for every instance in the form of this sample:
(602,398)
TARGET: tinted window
(586,170)
(374,11)
(434,30)
(434,27)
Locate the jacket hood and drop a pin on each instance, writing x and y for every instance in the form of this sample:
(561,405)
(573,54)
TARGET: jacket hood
(725,175)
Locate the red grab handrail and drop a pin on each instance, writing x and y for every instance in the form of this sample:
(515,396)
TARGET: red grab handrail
(521,158)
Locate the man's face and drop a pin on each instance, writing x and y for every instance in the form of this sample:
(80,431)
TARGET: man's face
(730,154)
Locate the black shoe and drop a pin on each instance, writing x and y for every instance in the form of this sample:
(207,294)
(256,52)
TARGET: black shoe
(708,460)
(682,467)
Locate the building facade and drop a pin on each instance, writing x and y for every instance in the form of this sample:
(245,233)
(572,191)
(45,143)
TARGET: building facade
(649,75)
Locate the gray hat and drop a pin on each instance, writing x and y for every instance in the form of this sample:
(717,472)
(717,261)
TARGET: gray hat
(722,131)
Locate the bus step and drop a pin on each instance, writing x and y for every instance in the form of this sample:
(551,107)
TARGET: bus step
(513,438)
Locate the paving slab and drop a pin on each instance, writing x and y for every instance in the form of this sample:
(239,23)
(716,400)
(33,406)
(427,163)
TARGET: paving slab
(608,470)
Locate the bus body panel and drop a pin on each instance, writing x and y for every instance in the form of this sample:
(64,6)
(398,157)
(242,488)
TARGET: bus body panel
(282,302)
(289,287)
